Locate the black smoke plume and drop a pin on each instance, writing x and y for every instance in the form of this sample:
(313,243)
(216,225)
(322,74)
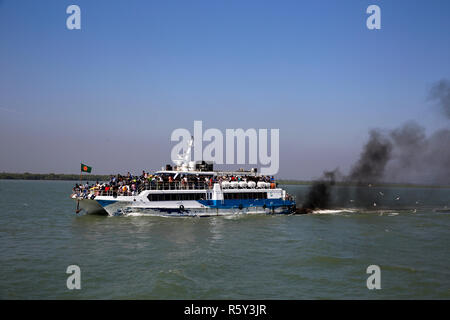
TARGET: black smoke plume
(318,196)
(374,157)
(402,155)
(418,158)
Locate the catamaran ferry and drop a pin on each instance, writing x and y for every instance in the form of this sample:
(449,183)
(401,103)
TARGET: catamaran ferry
(190,188)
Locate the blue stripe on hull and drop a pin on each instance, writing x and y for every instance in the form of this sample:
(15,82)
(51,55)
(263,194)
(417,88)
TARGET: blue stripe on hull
(246,203)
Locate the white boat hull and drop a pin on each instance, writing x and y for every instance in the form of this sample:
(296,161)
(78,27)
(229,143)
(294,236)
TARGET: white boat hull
(89,206)
(188,208)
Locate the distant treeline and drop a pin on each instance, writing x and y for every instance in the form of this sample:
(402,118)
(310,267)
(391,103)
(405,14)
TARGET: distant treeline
(52,176)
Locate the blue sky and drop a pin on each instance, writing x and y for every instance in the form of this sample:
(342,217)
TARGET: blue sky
(111,93)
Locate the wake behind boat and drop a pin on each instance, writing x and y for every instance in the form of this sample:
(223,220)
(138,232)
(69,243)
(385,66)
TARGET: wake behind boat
(190,188)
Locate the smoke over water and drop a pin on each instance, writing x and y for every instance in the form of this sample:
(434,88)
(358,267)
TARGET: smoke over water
(402,155)
(418,158)
(318,196)
(374,157)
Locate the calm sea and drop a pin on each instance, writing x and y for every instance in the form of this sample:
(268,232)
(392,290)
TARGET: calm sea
(317,256)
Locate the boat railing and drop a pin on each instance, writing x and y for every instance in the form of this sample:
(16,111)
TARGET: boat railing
(147,186)
(176,185)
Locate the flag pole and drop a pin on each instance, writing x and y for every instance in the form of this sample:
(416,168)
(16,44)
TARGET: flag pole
(78,201)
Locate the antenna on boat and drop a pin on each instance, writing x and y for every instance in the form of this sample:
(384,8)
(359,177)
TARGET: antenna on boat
(184,158)
(187,155)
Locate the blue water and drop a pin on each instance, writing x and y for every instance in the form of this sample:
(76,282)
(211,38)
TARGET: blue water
(317,256)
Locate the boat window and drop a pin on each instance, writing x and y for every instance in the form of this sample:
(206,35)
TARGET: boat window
(244,195)
(176,196)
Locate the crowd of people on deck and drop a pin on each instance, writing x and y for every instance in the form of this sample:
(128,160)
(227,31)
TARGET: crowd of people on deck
(132,185)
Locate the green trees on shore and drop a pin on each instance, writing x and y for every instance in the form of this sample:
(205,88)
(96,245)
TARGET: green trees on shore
(51,176)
